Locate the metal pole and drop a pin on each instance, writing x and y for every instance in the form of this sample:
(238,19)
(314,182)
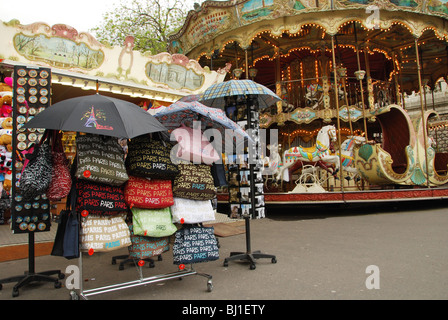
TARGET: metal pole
(337,110)
(425,142)
(278,79)
(247,64)
(360,82)
(348,109)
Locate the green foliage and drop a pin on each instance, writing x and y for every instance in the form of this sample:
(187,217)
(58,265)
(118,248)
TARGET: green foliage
(150,22)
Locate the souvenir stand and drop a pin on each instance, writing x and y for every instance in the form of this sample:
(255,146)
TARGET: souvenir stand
(132,161)
(123,200)
(136,153)
(31,95)
(144,79)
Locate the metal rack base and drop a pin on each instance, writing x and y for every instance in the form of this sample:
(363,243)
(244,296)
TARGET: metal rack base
(84,294)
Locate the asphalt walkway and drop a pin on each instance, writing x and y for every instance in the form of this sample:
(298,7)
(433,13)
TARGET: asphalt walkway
(334,253)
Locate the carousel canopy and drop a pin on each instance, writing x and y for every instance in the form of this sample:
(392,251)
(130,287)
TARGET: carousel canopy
(268,35)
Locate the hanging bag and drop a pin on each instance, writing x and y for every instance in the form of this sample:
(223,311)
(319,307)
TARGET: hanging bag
(218,172)
(153,222)
(194,182)
(192,211)
(147,247)
(99,198)
(193,146)
(71,236)
(58,244)
(100,159)
(66,243)
(150,158)
(61,180)
(194,245)
(36,174)
(148,194)
(104,233)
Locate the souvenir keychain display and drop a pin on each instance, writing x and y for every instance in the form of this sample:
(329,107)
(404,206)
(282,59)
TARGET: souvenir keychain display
(31,95)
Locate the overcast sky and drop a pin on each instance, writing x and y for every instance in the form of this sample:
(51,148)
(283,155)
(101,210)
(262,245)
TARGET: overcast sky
(80,14)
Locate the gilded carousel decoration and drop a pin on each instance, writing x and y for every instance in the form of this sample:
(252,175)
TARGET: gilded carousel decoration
(351,64)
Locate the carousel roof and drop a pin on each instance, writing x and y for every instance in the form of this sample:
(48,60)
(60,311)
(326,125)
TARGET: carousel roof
(260,31)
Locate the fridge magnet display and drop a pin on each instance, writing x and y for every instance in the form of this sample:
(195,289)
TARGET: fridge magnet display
(30,96)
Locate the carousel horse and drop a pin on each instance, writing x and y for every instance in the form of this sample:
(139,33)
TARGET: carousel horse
(273,162)
(313,96)
(321,151)
(346,155)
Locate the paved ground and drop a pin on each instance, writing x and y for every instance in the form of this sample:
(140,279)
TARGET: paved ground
(321,254)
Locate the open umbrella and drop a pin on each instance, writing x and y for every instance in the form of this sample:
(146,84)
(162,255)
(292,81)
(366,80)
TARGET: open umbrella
(191,98)
(97,114)
(215,95)
(186,113)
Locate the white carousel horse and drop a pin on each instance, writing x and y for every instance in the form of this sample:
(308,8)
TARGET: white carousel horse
(319,152)
(272,162)
(312,96)
(347,153)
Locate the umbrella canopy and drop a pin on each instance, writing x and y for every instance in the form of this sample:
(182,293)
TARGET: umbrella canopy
(97,114)
(191,98)
(215,95)
(186,113)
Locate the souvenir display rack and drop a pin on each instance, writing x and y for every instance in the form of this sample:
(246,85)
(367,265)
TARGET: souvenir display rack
(246,195)
(142,281)
(31,95)
(241,185)
(183,271)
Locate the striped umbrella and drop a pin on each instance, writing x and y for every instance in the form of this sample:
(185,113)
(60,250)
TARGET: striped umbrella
(215,95)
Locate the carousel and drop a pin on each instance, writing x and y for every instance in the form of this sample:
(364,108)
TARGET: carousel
(344,71)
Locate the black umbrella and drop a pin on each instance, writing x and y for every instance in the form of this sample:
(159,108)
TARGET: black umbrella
(97,114)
